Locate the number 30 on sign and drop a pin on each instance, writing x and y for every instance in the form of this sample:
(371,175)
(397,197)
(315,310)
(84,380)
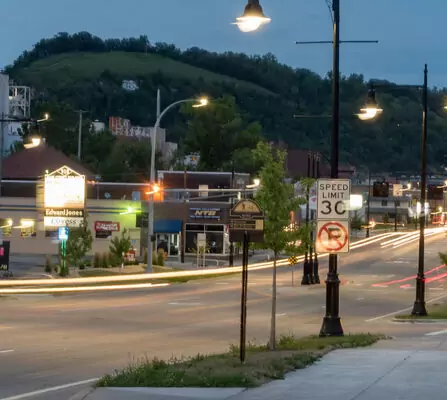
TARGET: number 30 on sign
(333,199)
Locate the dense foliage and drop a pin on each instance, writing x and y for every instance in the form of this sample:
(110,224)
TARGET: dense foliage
(82,71)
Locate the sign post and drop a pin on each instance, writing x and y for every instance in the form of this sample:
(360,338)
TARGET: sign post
(333,204)
(63,237)
(293,261)
(246,225)
(201,246)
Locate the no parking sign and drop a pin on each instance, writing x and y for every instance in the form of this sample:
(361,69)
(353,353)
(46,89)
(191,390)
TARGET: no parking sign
(332,237)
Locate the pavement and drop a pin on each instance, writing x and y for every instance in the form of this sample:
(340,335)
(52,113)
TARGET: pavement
(389,370)
(52,344)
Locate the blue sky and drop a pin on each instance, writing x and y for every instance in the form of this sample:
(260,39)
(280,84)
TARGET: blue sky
(411,32)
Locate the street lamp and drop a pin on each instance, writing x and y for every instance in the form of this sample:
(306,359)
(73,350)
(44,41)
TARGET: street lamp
(35,142)
(419,308)
(371,108)
(252,18)
(202,102)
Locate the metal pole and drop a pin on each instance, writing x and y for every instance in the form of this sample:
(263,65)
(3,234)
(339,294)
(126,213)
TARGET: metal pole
(419,304)
(315,273)
(369,204)
(243,327)
(185,220)
(306,266)
(395,215)
(331,322)
(2,135)
(231,256)
(80,134)
(311,234)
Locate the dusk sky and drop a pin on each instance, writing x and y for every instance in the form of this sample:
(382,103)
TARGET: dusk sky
(411,32)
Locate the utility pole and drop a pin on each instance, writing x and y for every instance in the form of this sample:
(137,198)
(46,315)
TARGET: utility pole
(80,133)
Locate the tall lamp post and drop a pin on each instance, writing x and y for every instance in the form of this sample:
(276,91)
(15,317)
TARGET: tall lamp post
(252,19)
(419,308)
(150,231)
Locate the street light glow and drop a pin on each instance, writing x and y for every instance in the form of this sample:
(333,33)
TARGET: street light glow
(203,102)
(253,17)
(371,108)
(35,142)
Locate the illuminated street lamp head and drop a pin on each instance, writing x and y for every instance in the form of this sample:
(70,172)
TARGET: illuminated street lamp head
(35,142)
(203,102)
(371,108)
(155,188)
(256,181)
(46,116)
(253,17)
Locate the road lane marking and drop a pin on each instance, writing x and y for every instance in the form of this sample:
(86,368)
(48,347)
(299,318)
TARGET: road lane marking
(281,315)
(175,303)
(401,311)
(6,351)
(51,389)
(444,332)
(221,283)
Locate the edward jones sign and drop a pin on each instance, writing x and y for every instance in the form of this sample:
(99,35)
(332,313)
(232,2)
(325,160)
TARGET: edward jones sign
(107,226)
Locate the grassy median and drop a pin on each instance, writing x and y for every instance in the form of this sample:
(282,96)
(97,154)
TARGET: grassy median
(435,311)
(225,370)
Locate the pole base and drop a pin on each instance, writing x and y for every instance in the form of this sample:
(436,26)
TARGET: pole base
(306,273)
(419,309)
(331,327)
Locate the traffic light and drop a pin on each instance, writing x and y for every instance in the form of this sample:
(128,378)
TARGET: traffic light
(381,189)
(434,192)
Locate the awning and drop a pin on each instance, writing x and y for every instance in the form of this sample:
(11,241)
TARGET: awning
(168,226)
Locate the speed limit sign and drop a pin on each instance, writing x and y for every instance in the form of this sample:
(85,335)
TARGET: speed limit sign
(333,199)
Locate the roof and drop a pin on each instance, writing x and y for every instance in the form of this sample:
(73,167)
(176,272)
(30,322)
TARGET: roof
(32,163)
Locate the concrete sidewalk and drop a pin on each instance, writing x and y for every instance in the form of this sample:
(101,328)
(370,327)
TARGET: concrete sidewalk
(360,374)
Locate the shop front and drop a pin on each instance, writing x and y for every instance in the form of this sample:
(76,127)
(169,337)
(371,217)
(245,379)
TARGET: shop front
(211,220)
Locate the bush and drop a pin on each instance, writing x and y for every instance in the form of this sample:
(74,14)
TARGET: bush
(63,272)
(82,266)
(114,261)
(56,269)
(120,246)
(160,258)
(97,260)
(105,262)
(49,264)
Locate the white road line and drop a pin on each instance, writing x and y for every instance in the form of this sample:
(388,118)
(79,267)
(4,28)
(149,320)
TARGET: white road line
(281,315)
(360,299)
(51,389)
(221,283)
(401,311)
(444,332)
(182,304)
(6,351)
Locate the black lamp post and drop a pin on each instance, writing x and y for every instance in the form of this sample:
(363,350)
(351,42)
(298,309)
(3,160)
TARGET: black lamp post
(419,308)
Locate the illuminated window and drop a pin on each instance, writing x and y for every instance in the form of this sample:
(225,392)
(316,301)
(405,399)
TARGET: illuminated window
(6,226)
(27,228)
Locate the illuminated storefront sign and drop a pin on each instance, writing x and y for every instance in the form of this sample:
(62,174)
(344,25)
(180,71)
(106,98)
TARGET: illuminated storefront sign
(107,226)
(64,198)
(205,213)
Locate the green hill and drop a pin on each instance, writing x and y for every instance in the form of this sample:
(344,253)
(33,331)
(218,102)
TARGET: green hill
(81,71)
(65,69)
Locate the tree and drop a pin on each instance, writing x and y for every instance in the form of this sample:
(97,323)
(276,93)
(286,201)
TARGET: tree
(79,243)
(277,200)
(120,246)
(221,136)
(356,222)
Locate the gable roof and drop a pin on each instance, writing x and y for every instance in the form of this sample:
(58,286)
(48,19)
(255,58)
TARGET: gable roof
(32,163)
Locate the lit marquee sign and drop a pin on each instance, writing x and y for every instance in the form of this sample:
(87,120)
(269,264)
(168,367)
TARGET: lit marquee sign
(64,198)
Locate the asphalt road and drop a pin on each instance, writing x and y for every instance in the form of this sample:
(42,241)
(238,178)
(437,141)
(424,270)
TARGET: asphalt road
(51,340)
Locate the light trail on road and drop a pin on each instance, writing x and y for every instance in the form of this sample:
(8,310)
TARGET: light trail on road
(23,286)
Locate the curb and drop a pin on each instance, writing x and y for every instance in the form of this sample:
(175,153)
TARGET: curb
(83,394)
(420,321)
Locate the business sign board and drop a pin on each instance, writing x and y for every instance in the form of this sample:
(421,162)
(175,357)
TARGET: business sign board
(333,199)
(4,256)
(205,213)
(246,216)
(64,197)
(107,226)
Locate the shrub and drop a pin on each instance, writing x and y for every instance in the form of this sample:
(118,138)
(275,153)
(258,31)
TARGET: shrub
(97,260)
(120,246)
(82,266)
(160,257)
(49,264)
(105,262)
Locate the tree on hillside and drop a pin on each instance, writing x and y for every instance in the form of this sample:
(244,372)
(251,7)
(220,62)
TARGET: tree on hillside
(277,200)
(221,136)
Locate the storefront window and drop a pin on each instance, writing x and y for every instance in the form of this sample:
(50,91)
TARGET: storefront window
(214,237)
(27,228)
(6,226)
(52,233)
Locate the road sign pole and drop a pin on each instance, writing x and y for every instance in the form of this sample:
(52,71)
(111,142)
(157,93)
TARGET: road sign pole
(243,326)
(307,264)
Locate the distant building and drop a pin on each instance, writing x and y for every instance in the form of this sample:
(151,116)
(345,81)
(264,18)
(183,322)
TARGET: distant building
(98,126)
(122,127)
(130,85)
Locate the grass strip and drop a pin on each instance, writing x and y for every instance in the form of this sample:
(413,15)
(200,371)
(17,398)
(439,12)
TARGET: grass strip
(435,311)
(225,370)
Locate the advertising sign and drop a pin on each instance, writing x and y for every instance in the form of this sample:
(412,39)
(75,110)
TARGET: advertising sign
(107,226)
(4,256)
(64,197)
